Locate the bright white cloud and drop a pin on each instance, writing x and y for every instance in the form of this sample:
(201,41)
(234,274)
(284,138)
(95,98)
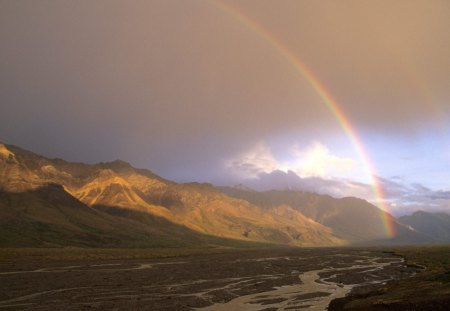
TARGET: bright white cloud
(317,161)
(316,169)
(259,159)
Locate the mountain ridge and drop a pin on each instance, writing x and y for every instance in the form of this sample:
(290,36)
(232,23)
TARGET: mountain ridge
(435,225)
(119,190)
(199,207)
(352,219)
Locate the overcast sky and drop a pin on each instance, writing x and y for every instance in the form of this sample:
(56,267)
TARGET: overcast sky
(189,90)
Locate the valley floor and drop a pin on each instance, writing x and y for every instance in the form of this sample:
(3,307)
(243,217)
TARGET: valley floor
(176,279)
(429,289)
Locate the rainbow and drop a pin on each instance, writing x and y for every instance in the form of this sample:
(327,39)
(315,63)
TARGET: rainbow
(327,99)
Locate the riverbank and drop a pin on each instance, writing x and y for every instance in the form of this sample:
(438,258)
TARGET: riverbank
(270,279)
(429,289)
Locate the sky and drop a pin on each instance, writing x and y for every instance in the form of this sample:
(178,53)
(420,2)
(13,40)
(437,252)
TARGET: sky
(226,91)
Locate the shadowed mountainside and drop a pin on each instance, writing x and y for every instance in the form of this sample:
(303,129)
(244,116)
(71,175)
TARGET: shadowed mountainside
(352,219)
(49,216)
(435,225)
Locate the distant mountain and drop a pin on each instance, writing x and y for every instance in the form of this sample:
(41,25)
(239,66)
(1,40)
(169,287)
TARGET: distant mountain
(116,204)
(352,219)
(289,180)
(54,202)
(435,225)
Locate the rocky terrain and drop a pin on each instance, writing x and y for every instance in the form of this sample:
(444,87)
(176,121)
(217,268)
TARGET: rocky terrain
(39,192)
(353,219)
(264,279)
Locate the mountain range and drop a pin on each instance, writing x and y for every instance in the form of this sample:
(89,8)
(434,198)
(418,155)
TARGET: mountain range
(53,202)
(435,225)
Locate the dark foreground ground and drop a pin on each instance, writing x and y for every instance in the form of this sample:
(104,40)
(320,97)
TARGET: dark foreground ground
(429,289)
(266,279)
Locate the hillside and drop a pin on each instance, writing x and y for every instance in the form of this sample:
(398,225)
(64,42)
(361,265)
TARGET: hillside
(435,225)
(352,219)
(49,217)
(54,202)
(123,192)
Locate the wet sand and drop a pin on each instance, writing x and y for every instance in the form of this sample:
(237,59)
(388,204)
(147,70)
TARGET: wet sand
(272,279)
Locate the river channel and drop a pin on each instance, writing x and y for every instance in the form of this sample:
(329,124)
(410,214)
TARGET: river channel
(267,279)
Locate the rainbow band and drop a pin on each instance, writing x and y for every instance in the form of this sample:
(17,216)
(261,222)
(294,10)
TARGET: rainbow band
(327,98)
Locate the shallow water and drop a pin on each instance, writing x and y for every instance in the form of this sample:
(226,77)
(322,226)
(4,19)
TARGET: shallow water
(269,279)
(314,293)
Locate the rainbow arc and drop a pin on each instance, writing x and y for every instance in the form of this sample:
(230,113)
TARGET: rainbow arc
(326,98)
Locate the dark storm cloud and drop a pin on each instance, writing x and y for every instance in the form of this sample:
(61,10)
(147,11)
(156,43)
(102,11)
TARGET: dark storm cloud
(158,83)
(182,86)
